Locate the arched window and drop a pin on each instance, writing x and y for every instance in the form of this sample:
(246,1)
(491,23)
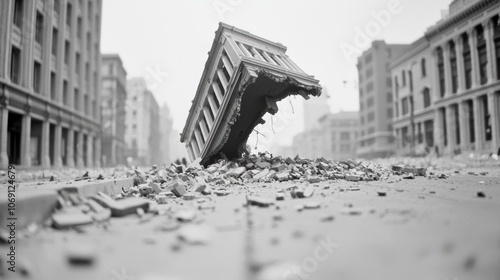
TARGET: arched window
(422,66)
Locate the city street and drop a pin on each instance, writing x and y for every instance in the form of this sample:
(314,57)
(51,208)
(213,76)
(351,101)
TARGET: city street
(422,228)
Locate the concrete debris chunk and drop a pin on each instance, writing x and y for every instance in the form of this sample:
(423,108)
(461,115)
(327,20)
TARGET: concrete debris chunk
(259,201)
(195,234)
(64,220)
(123,207)
(81,254)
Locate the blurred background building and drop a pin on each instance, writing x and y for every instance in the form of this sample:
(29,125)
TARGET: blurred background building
(375,100)
(339,132)
(113,100)
(50,83)
(142,133)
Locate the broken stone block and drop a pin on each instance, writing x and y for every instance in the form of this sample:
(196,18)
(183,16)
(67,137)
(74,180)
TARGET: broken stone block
(189,196)
(123,207)
(178,189)
(259,201)
(283,176)
(261,174)
(145,190)
(397,168)
(327,218)
(185,215)
(304,192)
(280,196)
(353,178)
(81,254)
(161,199)
(156,188)
(278,167)
(422,171)
(236,172)
(481,194)
(409,176)
(98,213)
(71,219)
(381,193)
(263,164)
(312,205)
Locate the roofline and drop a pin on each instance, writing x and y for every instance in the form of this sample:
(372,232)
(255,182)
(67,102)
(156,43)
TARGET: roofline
(413,51)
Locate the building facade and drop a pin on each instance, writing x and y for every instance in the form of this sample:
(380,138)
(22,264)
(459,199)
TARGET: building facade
(339,132)
(413,95)
(464,62)
(142,133)
(243,79)
(50,83)
(376,137)
(308,144)
(113,100)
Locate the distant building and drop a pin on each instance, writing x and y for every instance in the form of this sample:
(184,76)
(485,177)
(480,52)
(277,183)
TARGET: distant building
(50,83)
(142,133)
(457,102)
(314,109)
(113,100)
(339,133)
(308,144)
(166,130)
(376,137)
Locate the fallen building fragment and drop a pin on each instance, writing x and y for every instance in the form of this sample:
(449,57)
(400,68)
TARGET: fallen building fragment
(244,77)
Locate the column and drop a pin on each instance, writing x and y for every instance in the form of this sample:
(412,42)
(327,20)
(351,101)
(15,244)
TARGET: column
(194,147)
(45,144)
(228,65)
(459,47)
(79,150)
(208,117)
(97,154)
(464,127)
(257,54)
(244,50)
(495,122)
(218,92)
(90,150)
(57,146)
(474,58)
(490,50)
(439,131)
(26,141)
(447,70)
(450,127)
(70,157)
(213,105)
(478,124)
(4,123)
(204,130)
(222,79)
(199,140)
(190,153)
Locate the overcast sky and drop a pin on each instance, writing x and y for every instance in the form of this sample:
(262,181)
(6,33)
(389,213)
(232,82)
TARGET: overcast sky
(167,41)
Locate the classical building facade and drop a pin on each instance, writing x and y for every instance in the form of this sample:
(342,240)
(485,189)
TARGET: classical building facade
(113,100)
(142,133)
(244,76)
(464,79)
(50,83)
(376,137)
(413,96)
(339,132)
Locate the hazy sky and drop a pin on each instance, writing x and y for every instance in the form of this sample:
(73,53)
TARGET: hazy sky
(167,41)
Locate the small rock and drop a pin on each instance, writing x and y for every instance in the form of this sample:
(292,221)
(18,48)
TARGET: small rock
(312,205)
(481,194)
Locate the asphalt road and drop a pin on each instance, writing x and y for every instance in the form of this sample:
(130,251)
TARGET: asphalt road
(421,229)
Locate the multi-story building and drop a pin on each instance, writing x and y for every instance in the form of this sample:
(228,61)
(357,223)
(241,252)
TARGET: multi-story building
(142,133)
(244,77)
(308,144)
(314,109)
(413,95)
(339,132)
(463,51)
(113,99)
(166,128)
(50,83)
(375,99)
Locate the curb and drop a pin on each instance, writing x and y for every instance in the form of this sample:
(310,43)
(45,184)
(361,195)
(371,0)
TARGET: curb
(35,202)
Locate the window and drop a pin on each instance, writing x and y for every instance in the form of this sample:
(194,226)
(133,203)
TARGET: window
(345,135)
(79,27)
(39,28)
(66,52)
(389,97)
(37,77)
(86,104)
(396,83)
(444,125)
(368,58)
(389,82)
(486,118)
(53,86)
(369,72)
(370,117)
(496,39)
(89,42)
(482,55)
(15,65)
(87,71)
(65,92)
(76,99)
(442,86)
(57,6)
(427,97)
(55,35)
(470,111)
(369,87)
(403,76)
(429,132)
(453,65)
(467,61)
(77,63)
(420,136)
(369,102)
(410,77)
(390,113)
(18,13)
(68,14)
(396,106)
(89,10)
(455,109)
(404,103)
(404,136)
(423,67)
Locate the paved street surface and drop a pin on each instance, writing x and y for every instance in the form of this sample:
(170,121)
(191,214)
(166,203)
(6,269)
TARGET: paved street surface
(421,229)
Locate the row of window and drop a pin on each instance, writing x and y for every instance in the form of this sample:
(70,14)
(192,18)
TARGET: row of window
(268,57)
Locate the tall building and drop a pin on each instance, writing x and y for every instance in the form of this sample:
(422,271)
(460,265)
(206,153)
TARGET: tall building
(50,83)
(113,100)
(375,100)
(142,133)
(339,132)
(166,129)
(463,54)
